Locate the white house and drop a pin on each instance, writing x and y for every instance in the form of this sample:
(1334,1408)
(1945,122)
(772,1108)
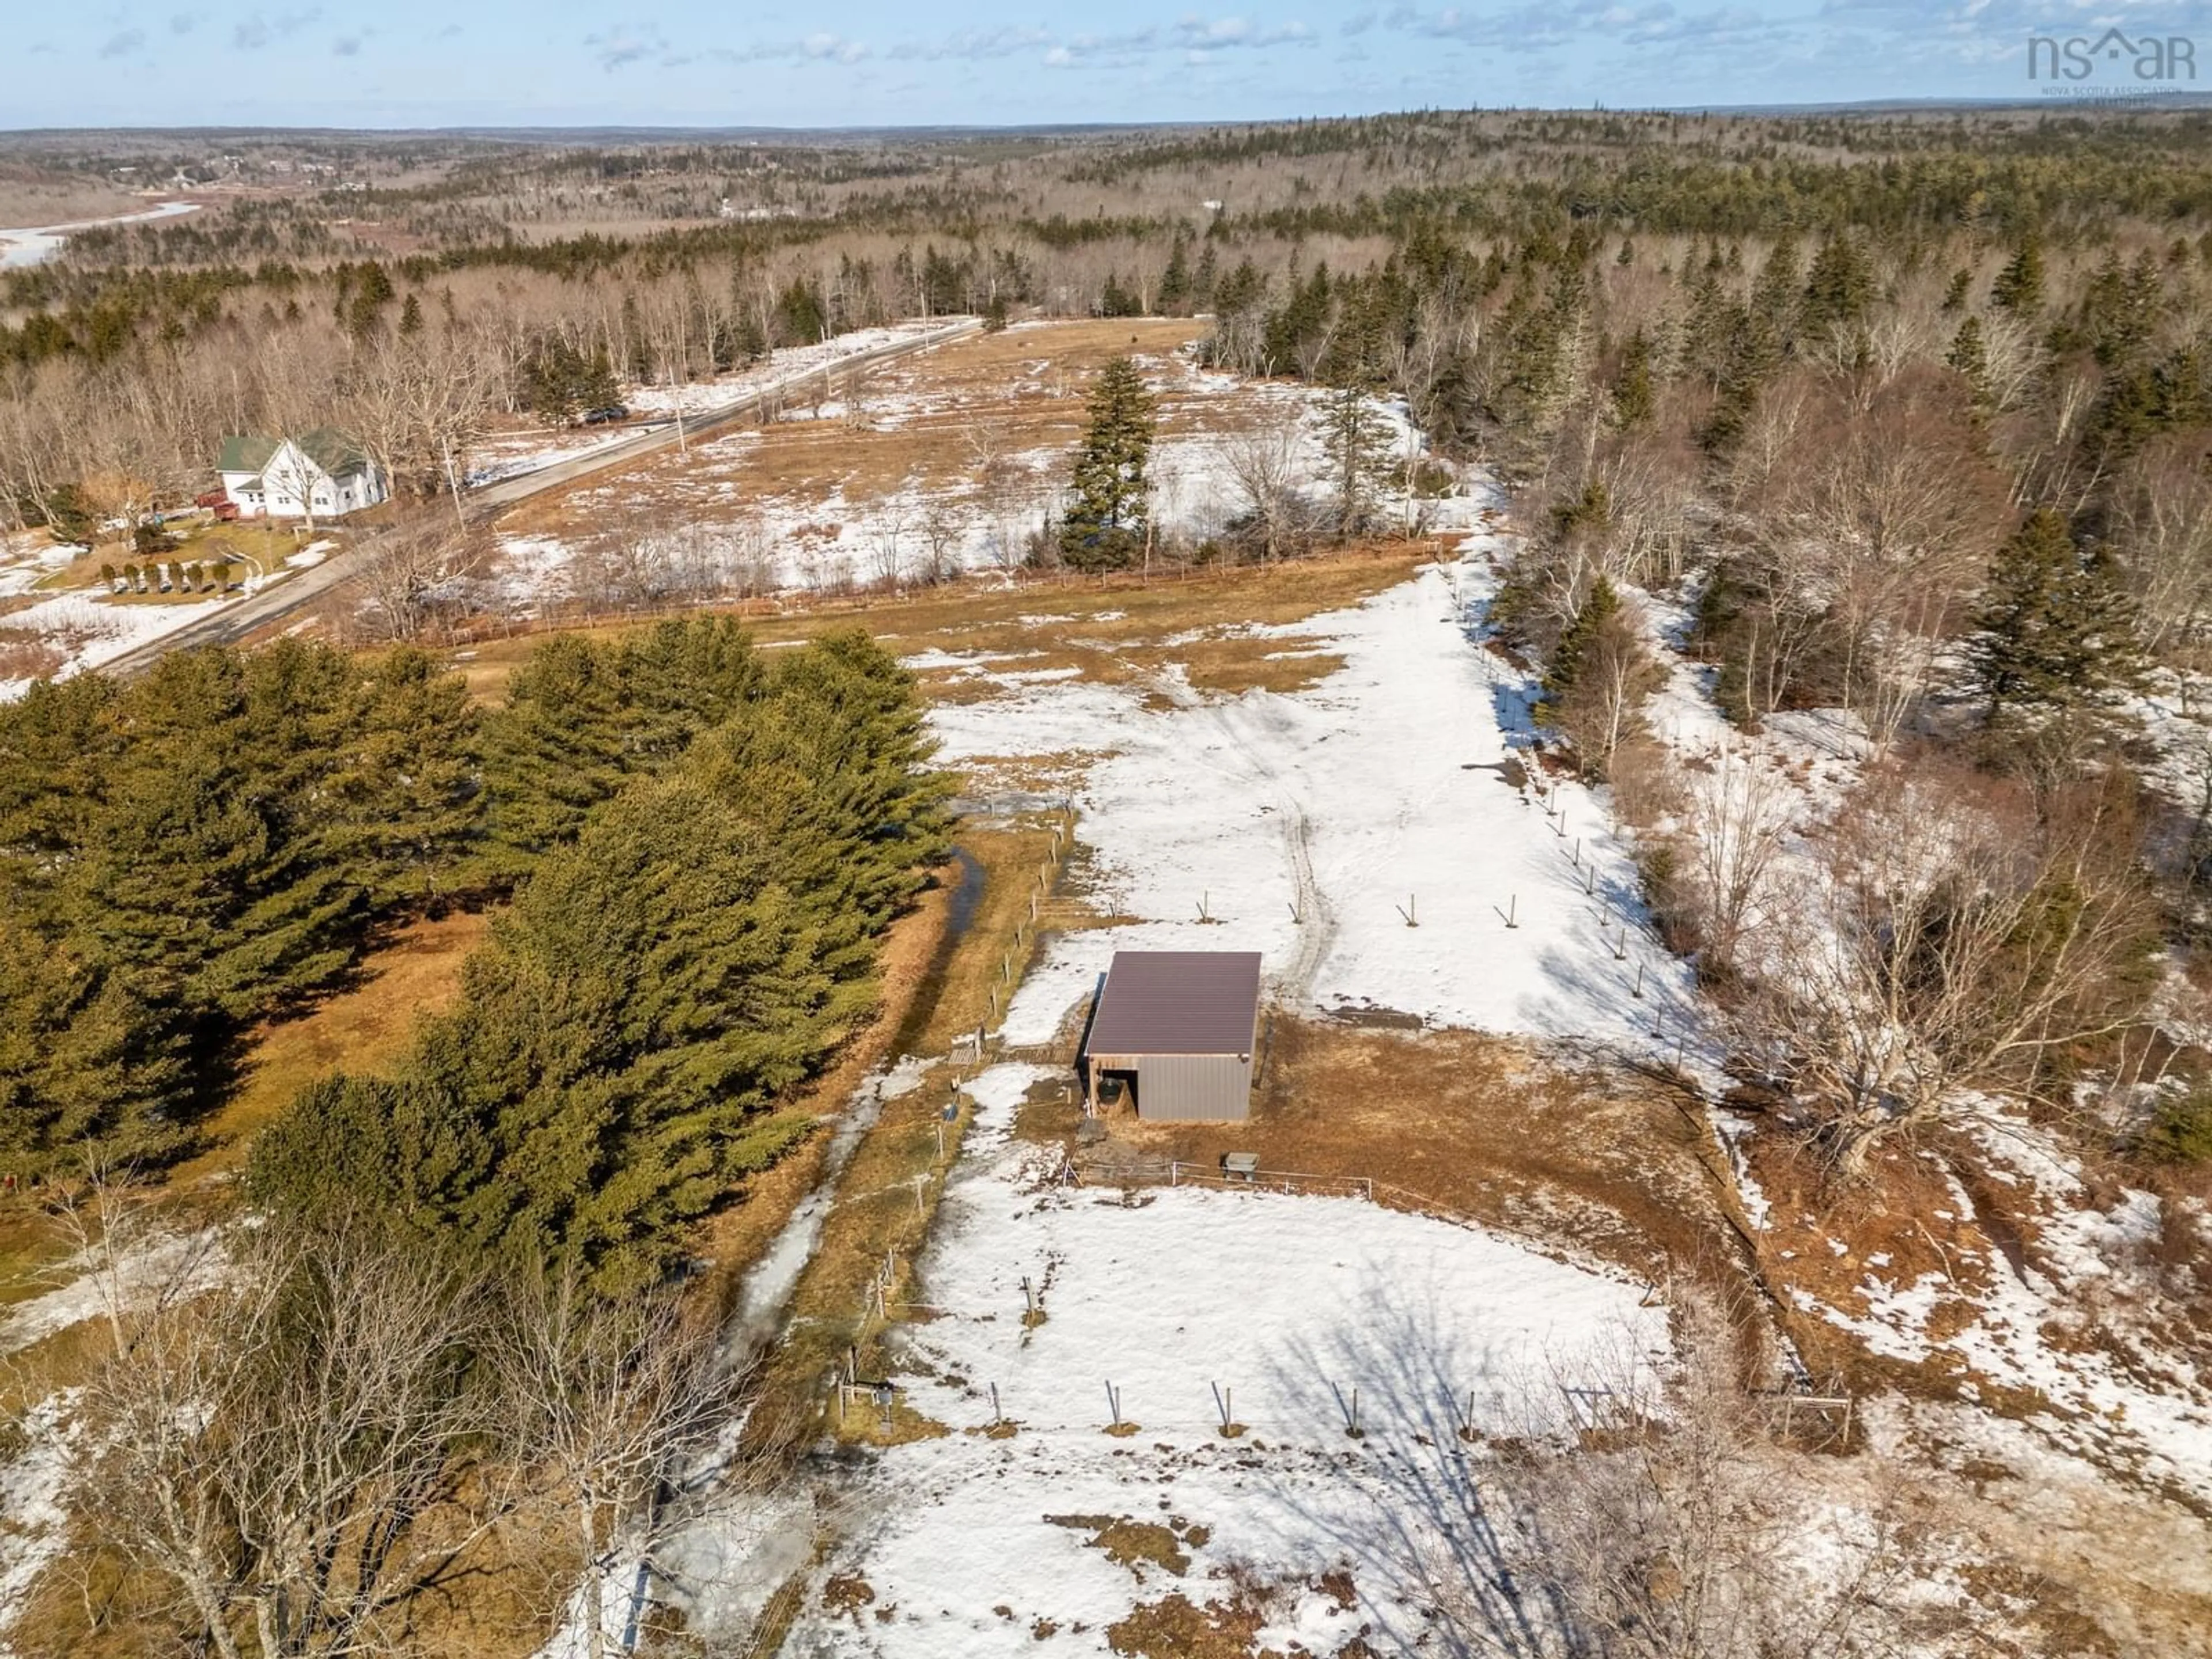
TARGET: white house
(321,474)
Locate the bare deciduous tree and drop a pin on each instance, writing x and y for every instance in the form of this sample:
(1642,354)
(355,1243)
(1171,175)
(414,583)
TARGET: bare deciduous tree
(1740,816)
(1266,460)
(2162,530)
(1659,1519)
(944,529)
(403,572)
(282,1450)
(614,1398)
(1953,932)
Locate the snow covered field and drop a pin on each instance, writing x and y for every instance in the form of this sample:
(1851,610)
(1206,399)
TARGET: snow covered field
(1289,1305)
(509,455)
(81,629)
(22,248)
(789,366)
(89,631)
(1376,793)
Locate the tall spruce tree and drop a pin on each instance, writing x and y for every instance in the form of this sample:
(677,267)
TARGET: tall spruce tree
(1837,289)
(1105,527)
(1969,355)
(2018,286)
(2055,629)
(1598,608)
(1634,398)
(1356,440)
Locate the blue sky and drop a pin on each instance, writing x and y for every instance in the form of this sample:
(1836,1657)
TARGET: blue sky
(848,62)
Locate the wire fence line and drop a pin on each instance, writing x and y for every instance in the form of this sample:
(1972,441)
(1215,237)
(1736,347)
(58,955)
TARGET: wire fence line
(1181,1173)
(969,1052)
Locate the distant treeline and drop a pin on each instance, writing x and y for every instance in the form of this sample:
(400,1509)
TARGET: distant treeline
(1025,229)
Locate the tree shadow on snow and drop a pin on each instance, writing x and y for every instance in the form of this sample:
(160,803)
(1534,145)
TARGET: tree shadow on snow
(1413,1504)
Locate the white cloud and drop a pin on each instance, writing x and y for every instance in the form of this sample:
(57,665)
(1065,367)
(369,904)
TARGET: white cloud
(253,33)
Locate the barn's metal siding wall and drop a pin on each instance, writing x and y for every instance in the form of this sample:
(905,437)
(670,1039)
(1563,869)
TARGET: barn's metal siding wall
(1194,1088)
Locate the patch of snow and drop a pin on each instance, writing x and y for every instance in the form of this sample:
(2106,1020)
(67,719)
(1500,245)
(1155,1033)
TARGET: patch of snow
(1374,792)
(787,366)
(92,630)
(2074,1320)
(168,1266)
(1287,1304)
(19,249)
(33,1526)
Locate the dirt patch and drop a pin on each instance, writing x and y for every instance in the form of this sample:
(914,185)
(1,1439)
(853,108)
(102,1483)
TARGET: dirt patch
(1131,1543)
(1904,1225)
(1598,1161)
(1175,1627)
(847,1592)
(27,656)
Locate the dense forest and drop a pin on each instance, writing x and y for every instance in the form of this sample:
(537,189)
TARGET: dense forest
(412,296)
(701,851)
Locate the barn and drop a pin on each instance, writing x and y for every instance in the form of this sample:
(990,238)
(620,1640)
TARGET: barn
(1174,1030)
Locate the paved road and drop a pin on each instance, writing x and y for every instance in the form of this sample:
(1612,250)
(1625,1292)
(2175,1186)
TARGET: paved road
(242,618)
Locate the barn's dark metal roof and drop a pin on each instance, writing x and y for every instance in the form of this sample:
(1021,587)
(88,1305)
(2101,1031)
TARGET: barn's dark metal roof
(1178,1002)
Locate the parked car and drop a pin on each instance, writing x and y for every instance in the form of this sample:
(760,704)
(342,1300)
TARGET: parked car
(606,416)
(219,503)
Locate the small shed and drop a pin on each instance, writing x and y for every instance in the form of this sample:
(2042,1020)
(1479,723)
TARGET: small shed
(1177,1030)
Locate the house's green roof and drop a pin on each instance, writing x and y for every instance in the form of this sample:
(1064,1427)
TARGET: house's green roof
(331,449)
(328,447)
(246,453)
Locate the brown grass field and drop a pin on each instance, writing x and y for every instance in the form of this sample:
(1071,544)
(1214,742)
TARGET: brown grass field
(1025,386)
(1069,622)
(361,1027)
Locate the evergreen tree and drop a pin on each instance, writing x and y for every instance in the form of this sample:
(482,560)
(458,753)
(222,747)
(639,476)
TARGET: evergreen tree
(596,386)
(1599,607)
(1105,527)
(1175,280)
(1356,440)
(85,1068)
(2055,629)
(2018,286)
(372,292)
(800,319)
(1837,289)
(1774,302)
(582,718)
(618,1059)
(1202,284)
(1971,358)
(1634,398)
